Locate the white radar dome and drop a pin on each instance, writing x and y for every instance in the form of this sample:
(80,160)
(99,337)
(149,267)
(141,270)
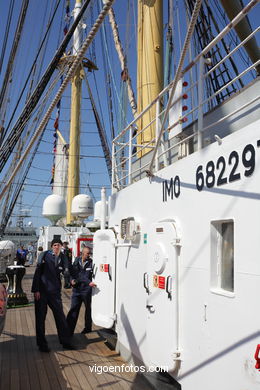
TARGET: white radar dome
(82,206)
(98,210)
(54,207)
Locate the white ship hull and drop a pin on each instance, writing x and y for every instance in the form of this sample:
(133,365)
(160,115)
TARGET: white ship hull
(206,329)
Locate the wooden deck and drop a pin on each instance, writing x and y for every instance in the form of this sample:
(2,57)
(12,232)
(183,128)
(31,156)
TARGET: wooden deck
(23,367)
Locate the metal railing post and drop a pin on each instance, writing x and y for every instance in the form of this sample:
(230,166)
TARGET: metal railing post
(113,168)
(200,100)
(130,155)
(157,132)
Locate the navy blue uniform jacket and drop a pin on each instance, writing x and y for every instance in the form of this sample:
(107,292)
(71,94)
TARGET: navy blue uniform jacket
(82,275)
(47,274)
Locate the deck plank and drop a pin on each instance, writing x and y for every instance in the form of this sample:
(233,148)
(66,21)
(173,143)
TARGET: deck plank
(14,380)
(6,355)
(23,367)
(21,356)
(29,350)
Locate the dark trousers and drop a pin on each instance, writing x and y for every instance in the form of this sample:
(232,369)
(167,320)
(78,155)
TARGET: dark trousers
(73,314)
(20,261)
(41,307)
(67,281)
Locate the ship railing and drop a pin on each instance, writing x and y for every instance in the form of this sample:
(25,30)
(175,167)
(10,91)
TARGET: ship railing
(125,165)
(132,160)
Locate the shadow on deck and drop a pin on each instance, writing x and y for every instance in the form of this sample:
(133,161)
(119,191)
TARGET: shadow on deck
(92,366)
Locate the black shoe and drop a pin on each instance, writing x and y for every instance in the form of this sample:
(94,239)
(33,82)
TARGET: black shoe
(85,330)
(69,347)
(44,348)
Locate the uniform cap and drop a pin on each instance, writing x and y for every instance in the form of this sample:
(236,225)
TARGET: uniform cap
(56,241)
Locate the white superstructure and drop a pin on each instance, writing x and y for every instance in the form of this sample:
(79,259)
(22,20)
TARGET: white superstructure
(178,269)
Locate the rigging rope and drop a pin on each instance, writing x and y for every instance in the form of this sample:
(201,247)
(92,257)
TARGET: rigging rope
(102,134)
(122,59)
(111,68)
(176,79)
(19,188)
(61,185)
(29,75)
(37,118)
(8,73)
(8,207)
(40,59)
(9,18)
(107,81)
(107,75)
(34,98)
(69,76)
(123,97)
(222,21)
(169,48)
(56,122)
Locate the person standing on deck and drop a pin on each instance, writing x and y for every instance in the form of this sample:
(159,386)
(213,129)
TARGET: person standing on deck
(68,253)
(21,255)
(39,252)
(30,255)
(81,273)
(46,287)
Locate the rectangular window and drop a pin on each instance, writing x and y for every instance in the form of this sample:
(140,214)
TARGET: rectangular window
(222,256)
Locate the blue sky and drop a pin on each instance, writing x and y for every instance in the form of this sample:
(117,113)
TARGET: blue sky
(94,171)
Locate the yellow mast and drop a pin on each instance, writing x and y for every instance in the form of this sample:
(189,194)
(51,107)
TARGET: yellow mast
(139,57)
(150,63)
(74,146)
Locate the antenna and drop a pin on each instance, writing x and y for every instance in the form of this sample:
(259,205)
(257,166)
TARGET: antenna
(22,213)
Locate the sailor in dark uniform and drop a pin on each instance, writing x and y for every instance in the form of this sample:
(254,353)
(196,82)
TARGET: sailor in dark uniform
(68,253)
(47,292)
(81,273)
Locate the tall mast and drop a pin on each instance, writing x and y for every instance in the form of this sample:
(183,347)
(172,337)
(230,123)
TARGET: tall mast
(150,63)
(61,167)
(74,146)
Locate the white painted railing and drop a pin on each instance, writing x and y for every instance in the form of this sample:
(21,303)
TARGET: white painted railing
(128,166)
